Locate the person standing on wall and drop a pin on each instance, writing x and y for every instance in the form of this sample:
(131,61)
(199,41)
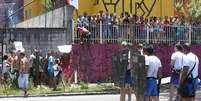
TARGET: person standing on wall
(125,79)
(189,76)
(154,72)
(176,63)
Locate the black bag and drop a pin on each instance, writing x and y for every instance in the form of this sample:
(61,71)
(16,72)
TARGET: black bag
(176,72)
(187,89)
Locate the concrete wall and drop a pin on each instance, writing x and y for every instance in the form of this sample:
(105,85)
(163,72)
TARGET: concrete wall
(57,18)
(42,38)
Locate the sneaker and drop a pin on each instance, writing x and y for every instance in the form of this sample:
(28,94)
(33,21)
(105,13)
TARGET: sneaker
(177,98)
(170,99)
(26,95)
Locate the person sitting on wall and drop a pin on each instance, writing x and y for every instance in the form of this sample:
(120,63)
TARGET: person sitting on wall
(84,34)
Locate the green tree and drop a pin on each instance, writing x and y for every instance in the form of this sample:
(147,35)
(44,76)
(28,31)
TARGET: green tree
(48,5)
(195,8)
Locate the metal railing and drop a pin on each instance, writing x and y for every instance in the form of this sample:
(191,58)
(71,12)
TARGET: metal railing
(135,33)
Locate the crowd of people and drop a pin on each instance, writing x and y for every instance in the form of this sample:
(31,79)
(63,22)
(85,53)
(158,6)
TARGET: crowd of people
(130,26)
(184,76)
(48,70)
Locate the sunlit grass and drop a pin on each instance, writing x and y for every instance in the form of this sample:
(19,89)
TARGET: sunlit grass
(75,88)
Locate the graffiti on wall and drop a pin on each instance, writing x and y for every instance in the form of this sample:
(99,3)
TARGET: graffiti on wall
(142,6)
(181,8)
(146,11)
(113,3)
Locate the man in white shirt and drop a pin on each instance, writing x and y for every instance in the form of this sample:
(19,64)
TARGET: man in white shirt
(189,76)
(176,63)
(154,71)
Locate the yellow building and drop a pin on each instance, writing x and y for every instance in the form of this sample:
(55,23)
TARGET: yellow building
(157,8)
(151,7)
(32,8)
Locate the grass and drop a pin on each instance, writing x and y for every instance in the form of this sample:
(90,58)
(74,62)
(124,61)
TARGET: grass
(75,88)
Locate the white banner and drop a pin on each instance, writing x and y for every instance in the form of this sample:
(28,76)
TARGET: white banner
(19,46)
(65,48)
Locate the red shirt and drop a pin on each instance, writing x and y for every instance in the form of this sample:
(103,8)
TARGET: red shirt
(65,61)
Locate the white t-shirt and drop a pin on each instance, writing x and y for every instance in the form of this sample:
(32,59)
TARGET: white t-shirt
(146,59)
(5,67)
(31,60)
(189,60)
(153,64)
(178,58)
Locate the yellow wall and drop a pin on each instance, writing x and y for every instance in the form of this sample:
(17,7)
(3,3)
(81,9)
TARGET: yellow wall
(85,5)
(35,8)
(161,8)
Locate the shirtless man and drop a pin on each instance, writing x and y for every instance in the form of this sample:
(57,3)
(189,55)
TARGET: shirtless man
(23,73)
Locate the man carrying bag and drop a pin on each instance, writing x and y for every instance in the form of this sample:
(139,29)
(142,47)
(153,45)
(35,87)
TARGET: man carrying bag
(189,76)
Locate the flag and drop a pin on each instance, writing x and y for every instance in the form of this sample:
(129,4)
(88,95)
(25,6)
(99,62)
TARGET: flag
(73,3)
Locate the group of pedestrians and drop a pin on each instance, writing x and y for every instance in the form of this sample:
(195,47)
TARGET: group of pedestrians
(184,78)
(15,67)
(48,70)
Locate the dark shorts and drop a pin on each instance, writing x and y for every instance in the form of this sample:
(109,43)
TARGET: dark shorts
(128,78)
(175,80)
(189,88)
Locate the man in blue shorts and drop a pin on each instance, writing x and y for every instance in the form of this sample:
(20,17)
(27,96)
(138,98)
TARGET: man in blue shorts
(23,78)
(177,63)
(189,76)
(126,80)
(154,71)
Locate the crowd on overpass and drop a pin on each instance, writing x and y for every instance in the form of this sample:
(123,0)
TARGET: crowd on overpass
(132,26)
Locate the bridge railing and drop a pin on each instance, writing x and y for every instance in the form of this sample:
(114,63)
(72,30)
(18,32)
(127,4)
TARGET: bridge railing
(135,33)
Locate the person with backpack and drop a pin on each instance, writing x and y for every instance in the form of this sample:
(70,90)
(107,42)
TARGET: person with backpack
(189,76)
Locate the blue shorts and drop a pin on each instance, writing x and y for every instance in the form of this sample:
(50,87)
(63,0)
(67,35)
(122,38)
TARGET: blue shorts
(197,84)
(189,88)
(51,74)
(128,78)
(151,87)
(23,81)
(174,80)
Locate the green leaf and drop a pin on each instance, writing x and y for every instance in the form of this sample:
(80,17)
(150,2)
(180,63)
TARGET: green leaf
(48,5)
(194,7)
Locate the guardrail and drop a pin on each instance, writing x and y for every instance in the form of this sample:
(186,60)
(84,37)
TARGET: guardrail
(113,33)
